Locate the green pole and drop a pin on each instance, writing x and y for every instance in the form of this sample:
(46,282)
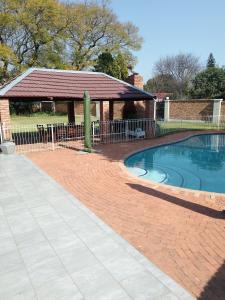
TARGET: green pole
(87,121)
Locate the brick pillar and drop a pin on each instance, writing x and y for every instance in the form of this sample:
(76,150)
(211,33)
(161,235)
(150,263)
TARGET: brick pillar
(154,109)
(104,110)
(216,110)
(104,116)
(4,112)
(166,110)
(97,103)
(5,119)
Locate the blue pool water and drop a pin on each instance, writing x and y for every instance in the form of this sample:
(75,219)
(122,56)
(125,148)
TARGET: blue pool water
(196,163)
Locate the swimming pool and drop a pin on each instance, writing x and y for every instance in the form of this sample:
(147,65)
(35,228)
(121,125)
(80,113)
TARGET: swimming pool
(196,163)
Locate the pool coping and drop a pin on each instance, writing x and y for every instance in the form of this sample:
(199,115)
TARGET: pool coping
(211,195)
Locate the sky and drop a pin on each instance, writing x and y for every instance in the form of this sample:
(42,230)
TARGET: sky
(169,27)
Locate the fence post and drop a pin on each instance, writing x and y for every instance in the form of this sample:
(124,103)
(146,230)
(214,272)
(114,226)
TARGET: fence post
(52,134)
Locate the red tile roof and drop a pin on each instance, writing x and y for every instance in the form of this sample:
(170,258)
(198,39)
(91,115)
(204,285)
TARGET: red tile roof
(162,95)
(63,84)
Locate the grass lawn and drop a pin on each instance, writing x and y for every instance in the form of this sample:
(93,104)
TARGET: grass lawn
(43,118)
(27,123)
(181,125)
(26,120)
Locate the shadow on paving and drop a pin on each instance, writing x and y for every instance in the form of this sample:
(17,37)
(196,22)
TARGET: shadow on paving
(198,208)
(215,288)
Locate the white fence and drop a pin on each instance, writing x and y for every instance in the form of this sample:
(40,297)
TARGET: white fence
(37,137)
(118,131)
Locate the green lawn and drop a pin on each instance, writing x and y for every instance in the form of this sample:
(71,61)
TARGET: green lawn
(40,119)
(25,120)
(44,118)
(24,123)
(174,126)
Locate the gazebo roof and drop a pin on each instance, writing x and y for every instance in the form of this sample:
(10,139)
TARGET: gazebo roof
(65,84)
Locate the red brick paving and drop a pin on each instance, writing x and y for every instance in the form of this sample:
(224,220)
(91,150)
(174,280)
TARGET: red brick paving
(181,231)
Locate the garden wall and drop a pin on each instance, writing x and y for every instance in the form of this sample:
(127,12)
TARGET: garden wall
(190,109)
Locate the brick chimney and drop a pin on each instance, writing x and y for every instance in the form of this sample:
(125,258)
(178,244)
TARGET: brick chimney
(136,80)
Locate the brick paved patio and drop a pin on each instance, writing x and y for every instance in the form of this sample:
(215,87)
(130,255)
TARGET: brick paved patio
(181,231)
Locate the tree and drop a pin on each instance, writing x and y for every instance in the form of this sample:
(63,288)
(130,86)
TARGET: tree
(29,29)
(211,62)
(94,29)
(114,66)
(121,64)
(161,83)
(8,27)
(50,33)
(182,68)
(209,84)
(41,24)
(105,63)
(7,59)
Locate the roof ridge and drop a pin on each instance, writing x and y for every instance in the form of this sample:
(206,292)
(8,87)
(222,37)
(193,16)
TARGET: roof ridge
(67,71)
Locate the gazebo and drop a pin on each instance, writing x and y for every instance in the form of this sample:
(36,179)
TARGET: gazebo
(37,84)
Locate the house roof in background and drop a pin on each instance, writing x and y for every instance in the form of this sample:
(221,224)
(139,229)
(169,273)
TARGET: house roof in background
(162,95)
(66,84)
